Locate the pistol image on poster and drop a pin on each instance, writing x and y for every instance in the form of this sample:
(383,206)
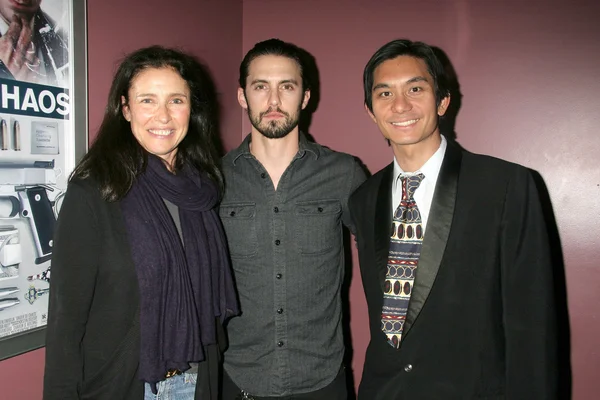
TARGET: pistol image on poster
(28,200)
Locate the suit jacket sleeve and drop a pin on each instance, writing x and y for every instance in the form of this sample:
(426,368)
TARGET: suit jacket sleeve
(74,266)
(527,294)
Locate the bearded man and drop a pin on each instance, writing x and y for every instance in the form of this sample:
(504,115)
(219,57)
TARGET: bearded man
(285,204)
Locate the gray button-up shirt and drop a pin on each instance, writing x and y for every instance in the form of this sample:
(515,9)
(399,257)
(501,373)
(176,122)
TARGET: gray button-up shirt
(287,251)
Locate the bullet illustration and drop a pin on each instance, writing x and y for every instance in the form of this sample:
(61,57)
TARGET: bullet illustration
(16,136)
(3,135)
(10,302)
(8,291)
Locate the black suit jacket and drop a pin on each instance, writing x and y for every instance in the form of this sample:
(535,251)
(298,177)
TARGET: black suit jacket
(481,321)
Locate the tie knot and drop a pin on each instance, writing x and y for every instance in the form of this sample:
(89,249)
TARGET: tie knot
(410,183)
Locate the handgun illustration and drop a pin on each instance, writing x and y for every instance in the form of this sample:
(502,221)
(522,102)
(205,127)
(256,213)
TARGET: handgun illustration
(25,187)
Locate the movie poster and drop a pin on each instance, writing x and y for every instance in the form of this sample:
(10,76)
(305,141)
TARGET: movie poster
(36,152)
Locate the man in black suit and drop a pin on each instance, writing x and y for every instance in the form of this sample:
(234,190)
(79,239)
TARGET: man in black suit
(460,295)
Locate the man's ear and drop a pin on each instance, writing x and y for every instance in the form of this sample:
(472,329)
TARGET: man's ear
(241,96)
(125,109)
(370,113)
(306,98)
(443,107)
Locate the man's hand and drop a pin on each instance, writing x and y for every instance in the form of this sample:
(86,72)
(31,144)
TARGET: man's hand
(17,50)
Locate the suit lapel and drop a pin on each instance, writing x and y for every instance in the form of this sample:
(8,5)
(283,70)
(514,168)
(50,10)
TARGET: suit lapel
(383,223)
(436,233)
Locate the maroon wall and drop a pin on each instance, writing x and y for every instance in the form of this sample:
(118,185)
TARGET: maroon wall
(529,72)
(209,29)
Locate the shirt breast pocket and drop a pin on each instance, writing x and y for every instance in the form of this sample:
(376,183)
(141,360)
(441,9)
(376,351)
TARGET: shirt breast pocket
(239,220)
(317,225)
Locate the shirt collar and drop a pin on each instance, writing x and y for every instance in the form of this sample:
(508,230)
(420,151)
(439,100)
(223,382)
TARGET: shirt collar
(431,169)
(304,145)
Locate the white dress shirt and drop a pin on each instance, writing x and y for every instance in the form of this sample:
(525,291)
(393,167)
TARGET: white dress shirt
(424,193)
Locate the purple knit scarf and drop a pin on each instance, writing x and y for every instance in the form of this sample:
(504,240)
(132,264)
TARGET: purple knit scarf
(183,289)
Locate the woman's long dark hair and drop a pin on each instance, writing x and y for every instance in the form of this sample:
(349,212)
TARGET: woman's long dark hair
(116,158)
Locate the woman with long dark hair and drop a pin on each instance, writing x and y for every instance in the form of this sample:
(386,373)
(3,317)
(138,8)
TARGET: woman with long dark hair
(141,282)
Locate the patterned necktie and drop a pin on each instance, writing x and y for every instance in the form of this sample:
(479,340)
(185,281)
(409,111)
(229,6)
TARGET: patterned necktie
(405,249)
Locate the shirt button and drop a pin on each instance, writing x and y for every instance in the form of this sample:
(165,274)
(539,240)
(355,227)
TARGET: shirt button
(277,242)
(276,209)
(280,343)
(263,175)
(278,276)
(408,367)
(232,214)
(320,209)
(280,311)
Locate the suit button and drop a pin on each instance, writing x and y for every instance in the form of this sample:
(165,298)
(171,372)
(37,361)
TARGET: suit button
(280,343)
(280,311)
(408,367)
(278,276)
(277,242)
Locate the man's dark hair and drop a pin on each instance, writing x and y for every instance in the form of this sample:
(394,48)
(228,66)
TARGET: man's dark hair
(404,47)
(116,158)
(274,47)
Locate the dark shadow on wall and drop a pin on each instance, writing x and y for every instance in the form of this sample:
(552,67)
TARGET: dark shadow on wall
(311,75)
(214,108)
(447,123)
(348,242)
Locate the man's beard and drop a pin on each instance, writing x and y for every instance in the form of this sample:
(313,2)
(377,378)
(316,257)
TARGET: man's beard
(275,129)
